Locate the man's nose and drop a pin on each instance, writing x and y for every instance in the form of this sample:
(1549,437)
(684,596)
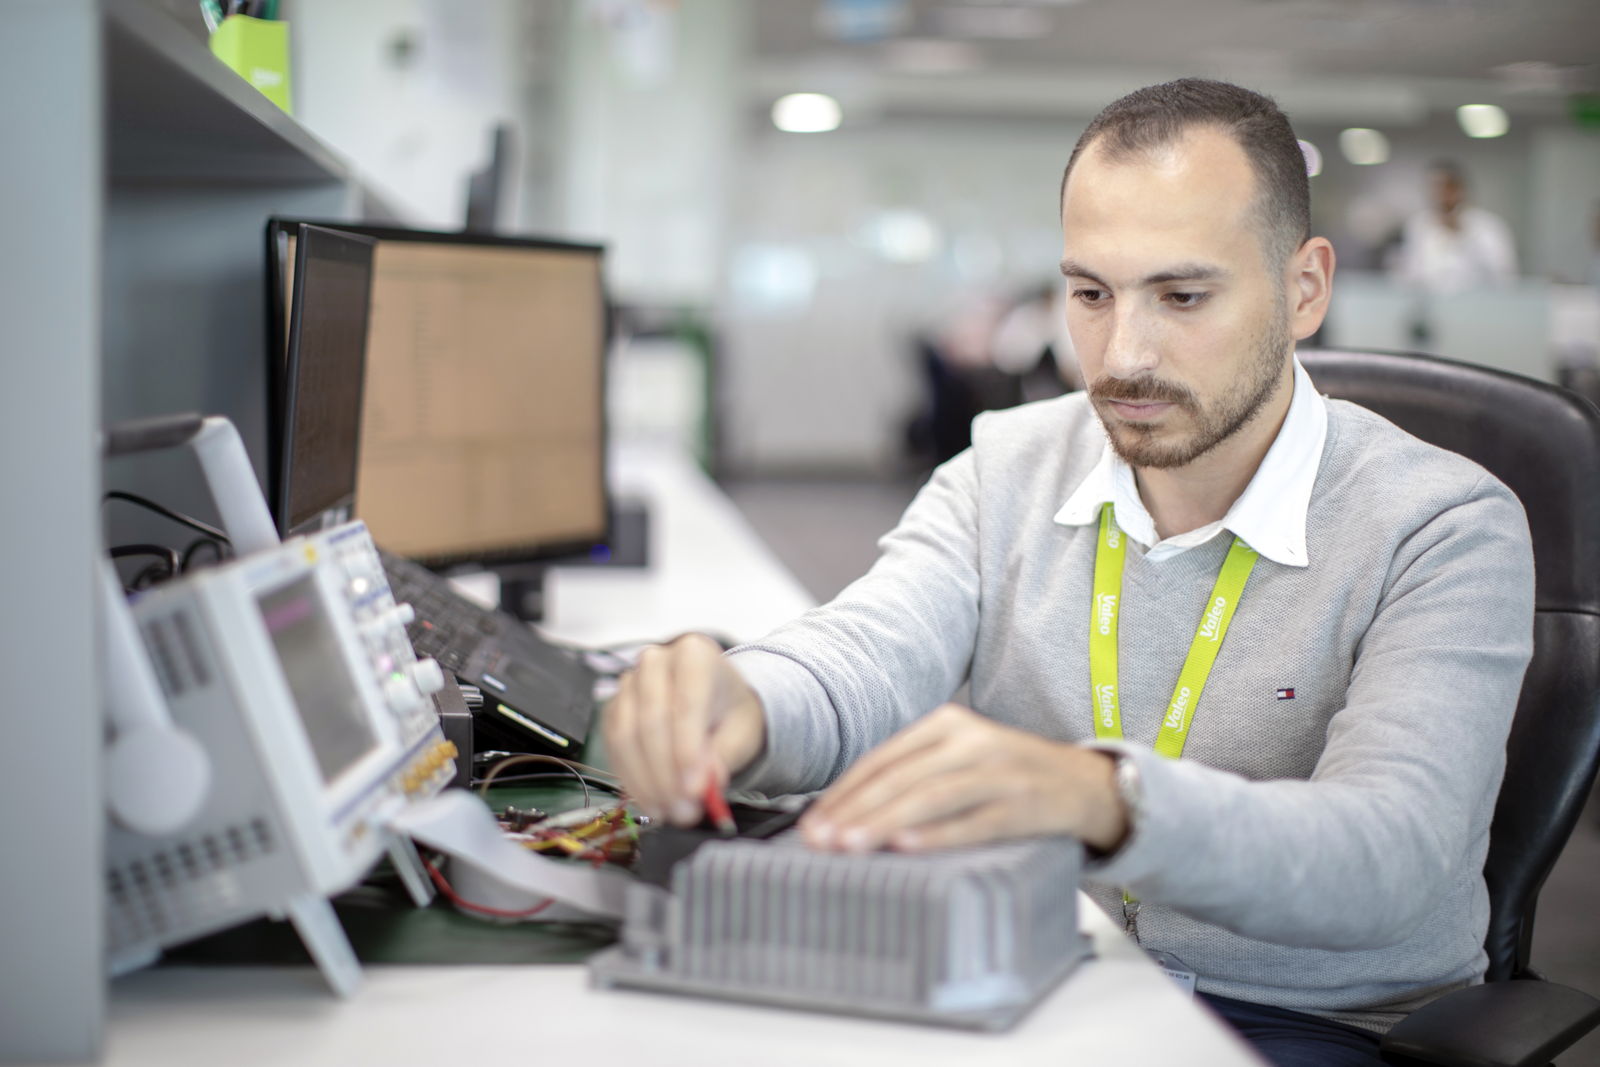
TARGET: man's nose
(1130,348)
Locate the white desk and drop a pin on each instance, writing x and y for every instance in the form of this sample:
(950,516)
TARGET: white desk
(709,572)
(1116,1009)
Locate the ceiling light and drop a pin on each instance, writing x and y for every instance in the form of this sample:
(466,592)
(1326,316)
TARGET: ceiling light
(1363,147)
(806,113)
(1483,120)
(1313,156)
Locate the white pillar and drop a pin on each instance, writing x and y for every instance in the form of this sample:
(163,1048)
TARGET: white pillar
(652,101)
(52,971)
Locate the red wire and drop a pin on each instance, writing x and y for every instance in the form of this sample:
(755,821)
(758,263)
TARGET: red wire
(482,909)
(717,807)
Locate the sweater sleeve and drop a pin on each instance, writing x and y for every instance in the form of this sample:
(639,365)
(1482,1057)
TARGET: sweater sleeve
(893,645)
(1357,856)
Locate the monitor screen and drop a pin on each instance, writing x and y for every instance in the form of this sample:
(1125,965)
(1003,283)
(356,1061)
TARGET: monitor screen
(331,283)
(325,694)
(483,428)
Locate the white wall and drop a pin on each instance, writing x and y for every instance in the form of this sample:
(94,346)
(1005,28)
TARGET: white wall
(827,381)
(650,100)
(413,125)
(1565,194)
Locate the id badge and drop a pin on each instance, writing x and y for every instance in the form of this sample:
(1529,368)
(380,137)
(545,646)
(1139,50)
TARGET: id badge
(1174,969)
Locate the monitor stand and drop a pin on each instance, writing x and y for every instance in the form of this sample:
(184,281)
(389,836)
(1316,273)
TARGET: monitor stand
(522,584)
(522,590)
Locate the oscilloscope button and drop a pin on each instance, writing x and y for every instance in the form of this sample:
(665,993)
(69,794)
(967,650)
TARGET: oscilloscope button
(400,693)
(426,673)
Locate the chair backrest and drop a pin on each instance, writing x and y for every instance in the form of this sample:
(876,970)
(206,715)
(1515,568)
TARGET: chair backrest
(1544,443)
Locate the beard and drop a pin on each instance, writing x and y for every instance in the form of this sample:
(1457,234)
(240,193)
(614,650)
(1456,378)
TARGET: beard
(1139,445)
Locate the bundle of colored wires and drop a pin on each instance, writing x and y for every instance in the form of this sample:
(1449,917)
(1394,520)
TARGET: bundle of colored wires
(594,840)
(615,824)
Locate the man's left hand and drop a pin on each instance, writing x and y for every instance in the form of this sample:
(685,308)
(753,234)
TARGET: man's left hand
(954,777)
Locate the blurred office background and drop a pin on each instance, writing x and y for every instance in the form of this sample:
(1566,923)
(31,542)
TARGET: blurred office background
(838,273)
(817,310)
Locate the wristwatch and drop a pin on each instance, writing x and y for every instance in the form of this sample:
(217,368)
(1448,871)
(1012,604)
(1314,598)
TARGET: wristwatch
(1130,790)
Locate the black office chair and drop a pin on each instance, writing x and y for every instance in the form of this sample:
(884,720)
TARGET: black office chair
(1544,443)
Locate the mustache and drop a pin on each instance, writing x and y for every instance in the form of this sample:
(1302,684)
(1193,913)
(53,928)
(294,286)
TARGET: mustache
(1141,391)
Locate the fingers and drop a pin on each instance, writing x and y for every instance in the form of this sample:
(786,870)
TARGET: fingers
(697,662)
(659,729)
(957,778)
(619,728)
(862,818)
(861,785)
(993,821)
(659,784)
(932,800)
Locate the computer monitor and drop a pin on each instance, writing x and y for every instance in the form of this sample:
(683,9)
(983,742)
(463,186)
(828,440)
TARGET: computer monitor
(482,430)
(319,399)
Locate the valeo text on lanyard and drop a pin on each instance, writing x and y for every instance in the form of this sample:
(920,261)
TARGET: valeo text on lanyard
(1108,564)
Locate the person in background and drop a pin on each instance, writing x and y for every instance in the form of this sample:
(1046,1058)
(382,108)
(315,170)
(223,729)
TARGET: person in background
(1452,246)
(1032,343)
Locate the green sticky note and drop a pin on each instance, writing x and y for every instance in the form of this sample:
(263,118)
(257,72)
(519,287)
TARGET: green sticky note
(258,49)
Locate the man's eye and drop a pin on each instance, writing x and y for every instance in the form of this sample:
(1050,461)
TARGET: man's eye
(1090,297)
(1186,300)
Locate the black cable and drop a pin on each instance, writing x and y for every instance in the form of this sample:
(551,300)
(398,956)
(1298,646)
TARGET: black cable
(540,776)
(166,512)
(196,545)
(155,572)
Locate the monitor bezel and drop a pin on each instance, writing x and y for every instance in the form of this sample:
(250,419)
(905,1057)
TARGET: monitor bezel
(361,250)
(537,552)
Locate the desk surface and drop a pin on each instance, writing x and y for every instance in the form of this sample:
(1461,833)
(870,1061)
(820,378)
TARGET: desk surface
(1115,1009)
(709,571)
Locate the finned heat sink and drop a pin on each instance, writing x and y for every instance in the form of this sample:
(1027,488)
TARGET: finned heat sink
(971,937)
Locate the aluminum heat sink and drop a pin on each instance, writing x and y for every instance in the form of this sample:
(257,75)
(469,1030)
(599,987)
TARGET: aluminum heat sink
(969,938)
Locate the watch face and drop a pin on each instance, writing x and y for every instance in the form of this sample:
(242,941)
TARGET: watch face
(1130,789)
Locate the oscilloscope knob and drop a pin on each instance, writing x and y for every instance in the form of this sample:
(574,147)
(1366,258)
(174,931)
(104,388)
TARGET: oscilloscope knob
(426,673)
(401,694)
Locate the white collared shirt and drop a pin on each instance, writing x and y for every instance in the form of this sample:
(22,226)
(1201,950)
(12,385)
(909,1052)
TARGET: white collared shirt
(1270,515)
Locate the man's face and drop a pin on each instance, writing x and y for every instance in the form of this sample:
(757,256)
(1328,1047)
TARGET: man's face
(1448,193)
(1180,325)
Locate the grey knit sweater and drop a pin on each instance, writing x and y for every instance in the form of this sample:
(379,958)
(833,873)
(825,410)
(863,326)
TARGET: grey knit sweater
(1322,853)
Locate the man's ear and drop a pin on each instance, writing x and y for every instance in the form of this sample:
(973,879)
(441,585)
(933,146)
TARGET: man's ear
(1310,282)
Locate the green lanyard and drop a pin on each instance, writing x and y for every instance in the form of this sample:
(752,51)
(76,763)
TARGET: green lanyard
(1108,562)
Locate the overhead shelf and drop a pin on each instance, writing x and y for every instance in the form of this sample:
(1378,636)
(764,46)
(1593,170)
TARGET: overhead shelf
(175,113)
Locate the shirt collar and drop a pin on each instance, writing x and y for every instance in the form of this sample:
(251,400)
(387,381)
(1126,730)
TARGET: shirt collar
(1270,515)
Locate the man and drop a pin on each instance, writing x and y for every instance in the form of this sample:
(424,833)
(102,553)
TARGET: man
(1315,857)
(1453,247)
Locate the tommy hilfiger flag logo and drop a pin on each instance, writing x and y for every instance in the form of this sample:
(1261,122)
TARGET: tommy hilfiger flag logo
(1286,694)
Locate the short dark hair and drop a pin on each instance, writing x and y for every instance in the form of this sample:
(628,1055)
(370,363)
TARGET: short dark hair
(1448,168)
(1158,115)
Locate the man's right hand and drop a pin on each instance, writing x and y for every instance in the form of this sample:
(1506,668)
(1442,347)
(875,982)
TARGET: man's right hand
(682,718)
